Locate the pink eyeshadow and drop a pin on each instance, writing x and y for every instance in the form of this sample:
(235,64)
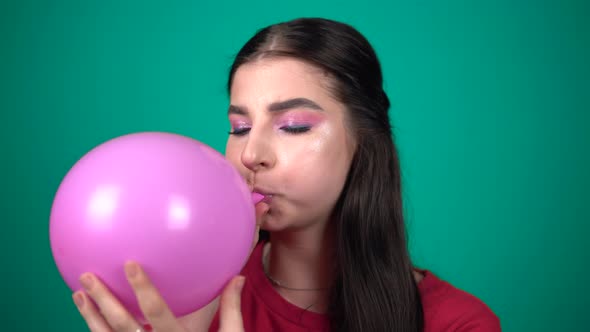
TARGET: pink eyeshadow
(299,119)
(238,122)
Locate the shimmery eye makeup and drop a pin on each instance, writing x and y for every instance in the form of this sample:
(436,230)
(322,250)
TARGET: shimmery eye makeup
(290,122)
(239,127)
(296,123)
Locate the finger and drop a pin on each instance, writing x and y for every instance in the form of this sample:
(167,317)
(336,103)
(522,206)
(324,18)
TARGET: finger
(115,314)
(230,310)
(255,241)
(153,306)
(94,320)
(261,209)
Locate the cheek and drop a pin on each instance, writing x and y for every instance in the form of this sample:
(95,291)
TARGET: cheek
(318,169)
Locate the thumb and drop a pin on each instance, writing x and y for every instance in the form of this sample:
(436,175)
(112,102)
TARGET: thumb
(230,311)
(261,209)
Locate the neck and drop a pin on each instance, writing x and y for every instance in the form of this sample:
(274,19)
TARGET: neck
(302,261)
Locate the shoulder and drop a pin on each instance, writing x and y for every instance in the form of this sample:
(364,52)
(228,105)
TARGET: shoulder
(448,308)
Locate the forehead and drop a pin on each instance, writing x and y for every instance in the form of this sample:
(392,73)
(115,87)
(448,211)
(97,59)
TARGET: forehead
(278,78)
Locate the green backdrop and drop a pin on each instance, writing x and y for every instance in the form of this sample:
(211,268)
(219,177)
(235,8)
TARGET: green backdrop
(490,103)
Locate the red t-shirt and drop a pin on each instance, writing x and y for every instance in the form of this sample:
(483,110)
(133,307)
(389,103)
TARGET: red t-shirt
(446,308)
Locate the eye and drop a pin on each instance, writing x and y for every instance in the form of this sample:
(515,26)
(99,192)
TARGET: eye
(296,129)
(240,131)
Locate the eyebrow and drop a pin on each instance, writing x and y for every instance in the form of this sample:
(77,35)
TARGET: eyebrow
(280,106)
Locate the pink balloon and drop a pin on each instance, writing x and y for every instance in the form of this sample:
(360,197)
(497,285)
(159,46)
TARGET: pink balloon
(167,201)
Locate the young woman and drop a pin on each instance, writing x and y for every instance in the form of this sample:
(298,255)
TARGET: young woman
(310,131)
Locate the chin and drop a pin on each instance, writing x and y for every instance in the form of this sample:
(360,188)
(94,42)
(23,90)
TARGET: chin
(272,225)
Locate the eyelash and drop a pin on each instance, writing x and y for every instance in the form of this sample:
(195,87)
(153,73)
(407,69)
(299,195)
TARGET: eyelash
(239,131)
(296,129)
(291,130)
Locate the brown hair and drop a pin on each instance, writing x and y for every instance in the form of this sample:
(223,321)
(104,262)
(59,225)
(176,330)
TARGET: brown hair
(375,289)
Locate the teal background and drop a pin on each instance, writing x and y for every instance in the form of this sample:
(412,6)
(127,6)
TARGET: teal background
(490,103)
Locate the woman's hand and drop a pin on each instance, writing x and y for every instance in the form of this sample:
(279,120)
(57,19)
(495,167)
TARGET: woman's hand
(109,315)
(261,210)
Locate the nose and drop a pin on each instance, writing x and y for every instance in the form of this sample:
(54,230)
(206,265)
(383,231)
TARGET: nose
(258,154)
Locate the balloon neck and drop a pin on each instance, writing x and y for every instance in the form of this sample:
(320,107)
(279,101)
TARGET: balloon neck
(257,197)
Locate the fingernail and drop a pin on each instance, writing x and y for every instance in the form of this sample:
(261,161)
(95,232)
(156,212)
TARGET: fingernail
(131,269)
(79,300)
(86,281)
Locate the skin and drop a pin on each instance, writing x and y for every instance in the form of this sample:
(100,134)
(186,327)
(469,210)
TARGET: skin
(107,314)
(290,139)
(304,171)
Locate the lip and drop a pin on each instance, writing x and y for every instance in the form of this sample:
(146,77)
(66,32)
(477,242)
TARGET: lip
(262,191)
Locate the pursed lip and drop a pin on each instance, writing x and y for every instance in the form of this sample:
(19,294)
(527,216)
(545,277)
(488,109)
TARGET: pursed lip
(262,191)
